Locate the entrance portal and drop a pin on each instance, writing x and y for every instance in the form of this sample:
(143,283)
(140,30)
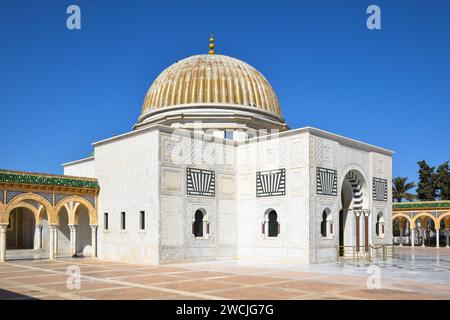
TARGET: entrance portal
(20,231)
(353,220)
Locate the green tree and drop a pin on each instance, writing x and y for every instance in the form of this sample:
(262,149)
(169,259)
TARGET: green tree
(400,188)
(426,188)
(443,181)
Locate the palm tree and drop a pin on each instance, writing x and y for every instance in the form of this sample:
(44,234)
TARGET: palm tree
(400,189)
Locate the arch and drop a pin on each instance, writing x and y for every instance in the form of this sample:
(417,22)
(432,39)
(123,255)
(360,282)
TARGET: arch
(403,215)
(354,196)
(21,229)
(200,223)
(424,214)
(21,199)
(77,200)
(442,217)
(380,225)
(326,223)
(273,226)
(352,167)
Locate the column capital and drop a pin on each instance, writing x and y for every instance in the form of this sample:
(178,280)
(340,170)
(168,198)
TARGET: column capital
(93,226)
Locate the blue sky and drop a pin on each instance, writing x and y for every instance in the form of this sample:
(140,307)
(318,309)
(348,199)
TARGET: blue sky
(61,90)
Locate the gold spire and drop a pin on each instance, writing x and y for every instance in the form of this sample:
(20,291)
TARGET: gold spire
(211,45)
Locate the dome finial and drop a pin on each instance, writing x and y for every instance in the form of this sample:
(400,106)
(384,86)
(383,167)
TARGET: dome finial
(211,44)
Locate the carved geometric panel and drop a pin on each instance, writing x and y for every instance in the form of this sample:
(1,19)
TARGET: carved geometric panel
(59,197)
(379,189)
(271,183)
(12,194)
(200,182)
(46,195)
(91,200)
(326,182)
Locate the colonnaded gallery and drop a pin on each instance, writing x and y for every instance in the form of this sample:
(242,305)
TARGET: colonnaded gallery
(209,171)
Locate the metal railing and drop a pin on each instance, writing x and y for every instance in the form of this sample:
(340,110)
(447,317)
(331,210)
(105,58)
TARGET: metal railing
(373,252)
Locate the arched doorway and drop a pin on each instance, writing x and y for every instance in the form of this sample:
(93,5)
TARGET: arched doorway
(83,235)
(354,222)
(63,234)
(20,233)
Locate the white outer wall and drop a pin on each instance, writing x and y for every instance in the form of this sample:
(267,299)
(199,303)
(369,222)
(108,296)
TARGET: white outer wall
(177,209)
(138,173)
(127,171)
(292,244)
(331,154)
(82,168)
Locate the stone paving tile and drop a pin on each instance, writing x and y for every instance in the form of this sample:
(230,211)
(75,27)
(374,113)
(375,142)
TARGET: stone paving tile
(384,294)
(198,285)
(107,274)
(84,285)
(205,274)
(423,275)
(252,280)
(17,274)
(124,294)
(256,293)
(312,286)
(154,278)
(295,275)
(39,279)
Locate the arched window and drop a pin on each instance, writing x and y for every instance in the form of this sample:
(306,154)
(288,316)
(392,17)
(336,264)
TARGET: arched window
(200,225)
(326,225)
(270,228)
(273,224)
(379,227)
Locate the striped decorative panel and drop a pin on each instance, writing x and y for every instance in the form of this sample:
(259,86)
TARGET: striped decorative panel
(271,183)
(379,189)
(326,182)
(200,182)
(2,196)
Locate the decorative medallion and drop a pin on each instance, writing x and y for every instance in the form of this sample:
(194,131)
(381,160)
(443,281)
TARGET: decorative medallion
(379,189)
(326,181)
(200,182)
(271,183)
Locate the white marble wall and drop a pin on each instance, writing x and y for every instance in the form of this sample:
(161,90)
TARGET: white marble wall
(290,153)
(343,157)
(146,171)
(127,171)
(177,209)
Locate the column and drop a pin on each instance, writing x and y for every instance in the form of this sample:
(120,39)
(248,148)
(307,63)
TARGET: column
(73,239)
(38,236)
(53,241)
(437,237)
(366,231)
(357,230)
(447,234)
(424,232)
(94,239)
(412,234)
(401,236)
(3,242)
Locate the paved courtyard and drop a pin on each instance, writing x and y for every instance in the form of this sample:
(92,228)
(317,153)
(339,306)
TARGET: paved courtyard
(422,273)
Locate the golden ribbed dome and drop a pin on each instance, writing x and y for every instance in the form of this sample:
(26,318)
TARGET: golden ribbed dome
(211,79)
